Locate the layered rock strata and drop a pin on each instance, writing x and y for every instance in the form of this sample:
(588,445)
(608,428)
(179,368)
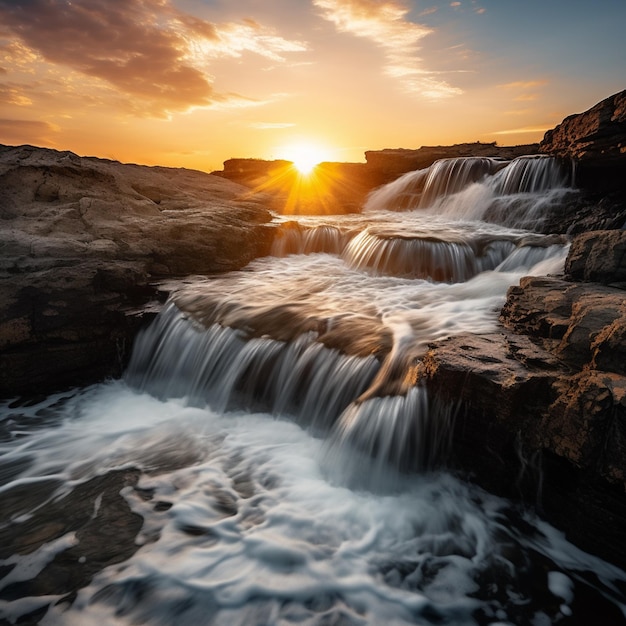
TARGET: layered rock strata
(596,141)
(544,400)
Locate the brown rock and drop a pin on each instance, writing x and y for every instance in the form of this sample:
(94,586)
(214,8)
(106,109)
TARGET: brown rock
(596,140)
(597,135)
(580,323)
(81,240)
(598,256)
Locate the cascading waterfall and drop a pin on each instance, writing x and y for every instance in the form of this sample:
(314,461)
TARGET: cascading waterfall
(291,465)
(177,358)
(518,194)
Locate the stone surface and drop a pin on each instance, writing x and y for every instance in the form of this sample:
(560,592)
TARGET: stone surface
(598,135)
(82,239)
(596,141)
(581,323)
(598,256)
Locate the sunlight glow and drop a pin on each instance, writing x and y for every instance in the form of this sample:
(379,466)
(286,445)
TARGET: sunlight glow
(304,156)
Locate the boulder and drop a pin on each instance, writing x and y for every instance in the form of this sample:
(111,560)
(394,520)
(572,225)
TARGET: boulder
(596,136)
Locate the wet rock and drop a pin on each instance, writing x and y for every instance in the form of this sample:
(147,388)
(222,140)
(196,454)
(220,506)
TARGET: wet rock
(529,426)
(545,400)
(100,527)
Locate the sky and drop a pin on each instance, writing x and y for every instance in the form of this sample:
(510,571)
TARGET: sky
(192,83)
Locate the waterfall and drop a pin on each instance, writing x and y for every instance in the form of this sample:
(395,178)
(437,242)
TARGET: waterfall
(293,239)
(532,174)
(520,193)
(272,455)
(421,188)
(218,367)
(449,176)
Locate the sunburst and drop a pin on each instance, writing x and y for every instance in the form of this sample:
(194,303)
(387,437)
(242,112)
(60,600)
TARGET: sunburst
(304,156)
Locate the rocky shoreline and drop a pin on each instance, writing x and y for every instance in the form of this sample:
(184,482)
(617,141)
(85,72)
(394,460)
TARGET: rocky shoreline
(86,241)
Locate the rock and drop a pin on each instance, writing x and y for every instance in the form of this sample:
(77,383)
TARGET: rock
(598,256)
(598,135)
(546,433)
(596,140)
(331,188)
(82,240)
(545,399)
(93,518)
(580,323)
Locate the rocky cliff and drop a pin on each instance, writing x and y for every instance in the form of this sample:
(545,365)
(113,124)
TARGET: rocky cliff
(596,141)
(81,241)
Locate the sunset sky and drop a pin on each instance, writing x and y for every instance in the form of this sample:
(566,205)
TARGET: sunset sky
(194,82)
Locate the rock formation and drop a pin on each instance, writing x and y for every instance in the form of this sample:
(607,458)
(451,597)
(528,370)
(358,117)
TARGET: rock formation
(596,140)
(545,398)
(81,240)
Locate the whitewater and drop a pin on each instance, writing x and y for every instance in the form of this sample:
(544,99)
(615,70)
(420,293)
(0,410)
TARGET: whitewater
(289,467)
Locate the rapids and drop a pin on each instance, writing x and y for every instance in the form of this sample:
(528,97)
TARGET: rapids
(288,466)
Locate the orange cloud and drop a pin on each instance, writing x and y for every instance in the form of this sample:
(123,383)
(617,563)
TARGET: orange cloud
(525,84)
(13,94)
(20,131)
(146,49)
(525,129)
(384,23)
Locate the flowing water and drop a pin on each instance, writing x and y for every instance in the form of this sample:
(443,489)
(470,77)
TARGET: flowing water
(288,467)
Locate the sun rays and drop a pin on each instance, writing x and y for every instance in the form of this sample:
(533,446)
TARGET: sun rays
(305,156)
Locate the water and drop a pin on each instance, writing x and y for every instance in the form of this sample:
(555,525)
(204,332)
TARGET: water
(286,465)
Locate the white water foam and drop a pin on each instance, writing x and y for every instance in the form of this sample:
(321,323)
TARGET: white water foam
(261,529)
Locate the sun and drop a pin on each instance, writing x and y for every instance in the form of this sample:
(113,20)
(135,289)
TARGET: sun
(304,156)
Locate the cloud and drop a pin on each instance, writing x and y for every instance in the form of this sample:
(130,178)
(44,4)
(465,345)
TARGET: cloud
(384,23)
(146,49)
(13,94)
(525,129)
(20,131)
(271,125)
(524,84)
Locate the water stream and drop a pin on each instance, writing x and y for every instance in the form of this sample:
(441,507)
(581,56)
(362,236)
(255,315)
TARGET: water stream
(291,468)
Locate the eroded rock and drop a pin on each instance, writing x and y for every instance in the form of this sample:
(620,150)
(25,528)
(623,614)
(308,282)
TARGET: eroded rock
(81,241)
